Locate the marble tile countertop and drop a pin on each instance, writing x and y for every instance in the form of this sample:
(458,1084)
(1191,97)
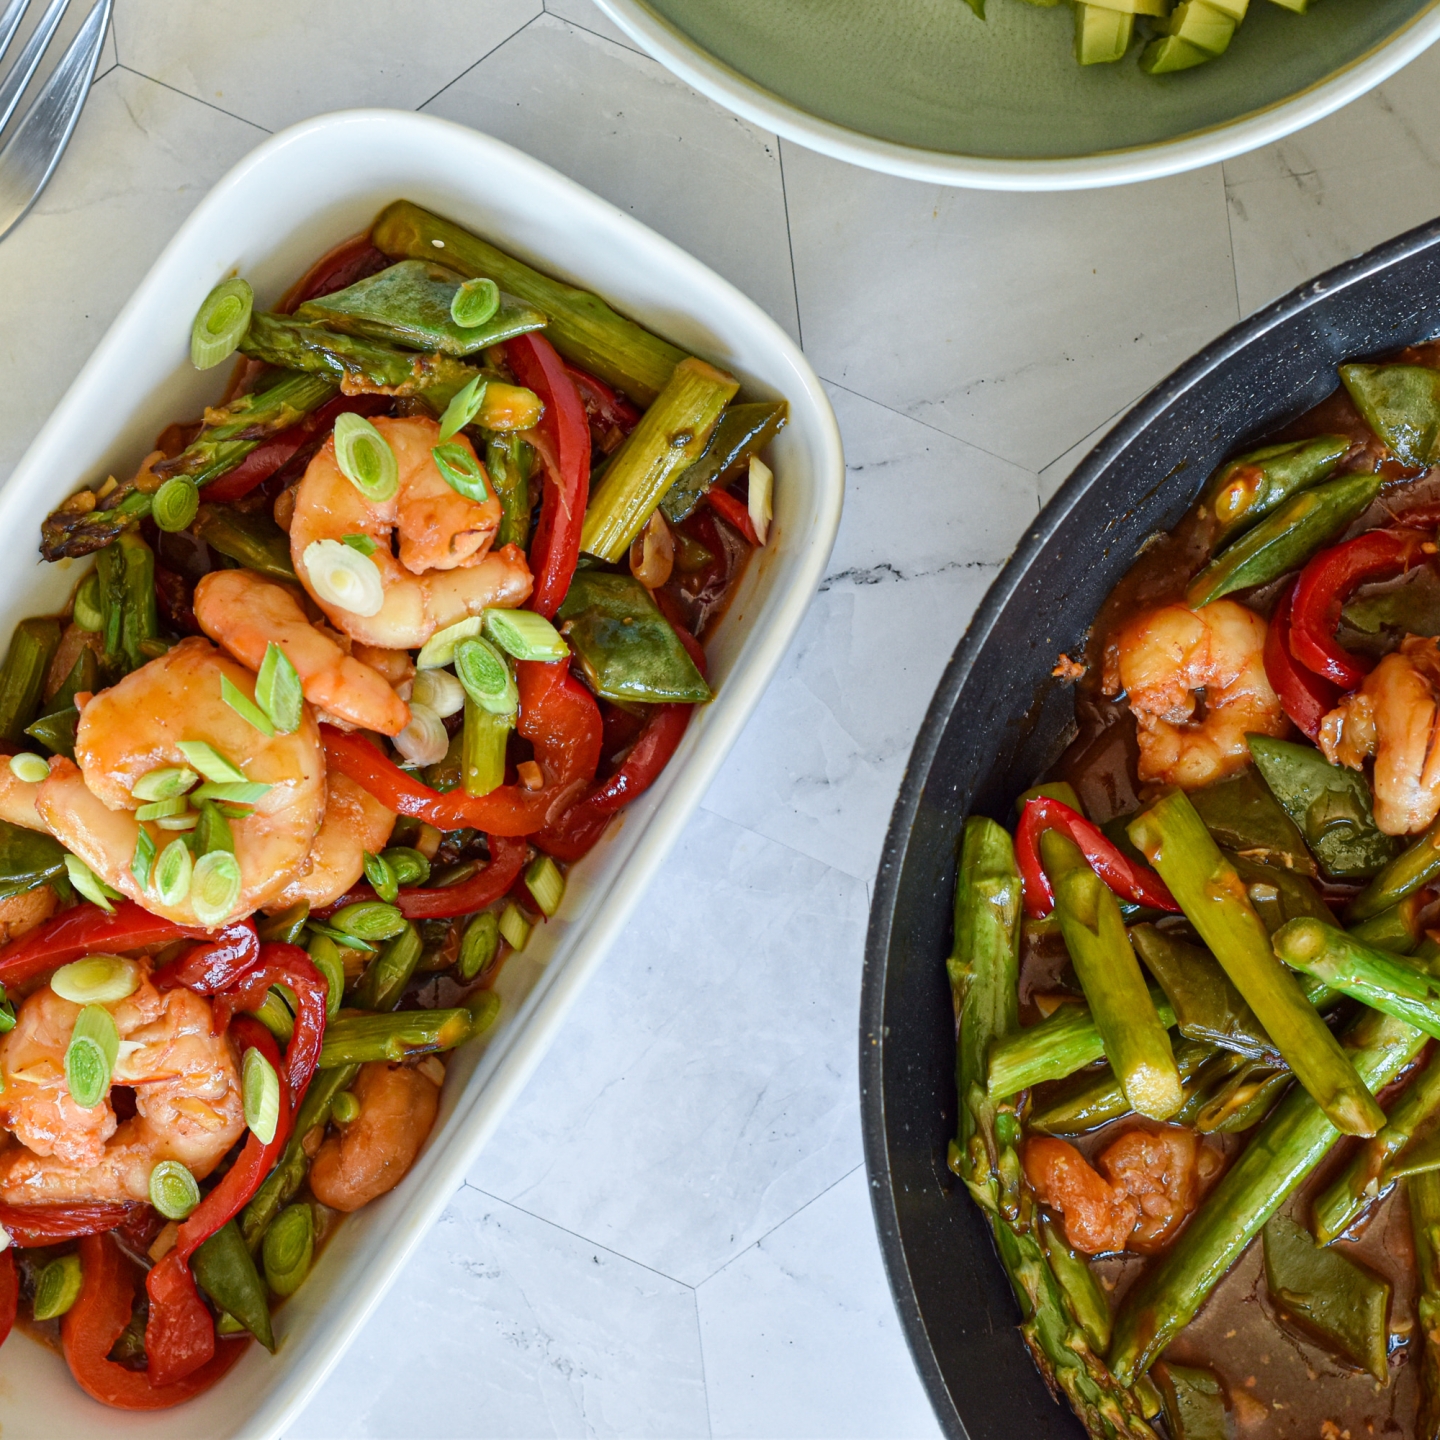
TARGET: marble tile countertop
(671,1234)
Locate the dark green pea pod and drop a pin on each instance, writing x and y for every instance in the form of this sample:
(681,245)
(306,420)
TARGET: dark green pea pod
(624,646)
(1279,895)
(1396,929)
(1241,1100)
(409,304)
(1330,803)
(225,1271)
(743,431)
(286,926)
(22,677)
(1331,1297)
(508,463)
(445,775)
(1249,487)
(1285,540)
(57,732)
(28,858)
(1411,608)
(1194,1402)
(1207,1006)
(1416,866)
(1244,817)
(55,729)
(387,975)
(1401,404)
(254,540)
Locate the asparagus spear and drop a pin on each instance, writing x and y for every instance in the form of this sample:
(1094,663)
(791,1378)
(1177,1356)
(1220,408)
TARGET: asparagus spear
(22,677)
(582,327)
(1364,1179)
(1277,1161)
(1136,1042)
(1212,895)
(1411,870)
(1376,978)
(356,1039)
(1423,1194)
(1101,1098)
(385,978)
(1396,929)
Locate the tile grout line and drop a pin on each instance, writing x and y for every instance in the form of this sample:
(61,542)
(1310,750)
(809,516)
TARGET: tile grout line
(790,241)
(704,1375)
(624,44)
(185,94)
(499,45)
(795,849)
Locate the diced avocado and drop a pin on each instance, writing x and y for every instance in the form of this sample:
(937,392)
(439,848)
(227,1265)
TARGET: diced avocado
(1200,24)
(1298,6)
(1101,36)
(1158,8)
(1235,9)
(1162,56)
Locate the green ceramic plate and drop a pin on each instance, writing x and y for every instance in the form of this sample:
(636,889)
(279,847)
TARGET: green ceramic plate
(924,88)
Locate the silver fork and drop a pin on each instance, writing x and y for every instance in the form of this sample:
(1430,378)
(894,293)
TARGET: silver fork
(29,157)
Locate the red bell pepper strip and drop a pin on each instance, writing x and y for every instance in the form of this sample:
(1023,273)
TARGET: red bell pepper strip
(1328,581)
(88,930)
(560,718)
(611,417)
(267,457)
(180,1334)
(556,546)
(9,1293)
(29,1226)
(94,1323)
(1305,697)
(507,859)
(288,965)
(215,964)
(729,509)
(1121,874)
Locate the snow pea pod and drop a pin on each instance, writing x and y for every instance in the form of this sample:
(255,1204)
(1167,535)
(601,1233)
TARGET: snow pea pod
(1249,487)
(1243,816)
(55,729)
(1285,540)
(28,858)
(743,431)
(22,677)
(254,540)
(1401,404)
(1194,1402)
(225,1271)
(624,646)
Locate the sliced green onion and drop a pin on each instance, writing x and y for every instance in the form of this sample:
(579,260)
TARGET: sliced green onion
(173,871)
(369,920)
(29,767)
(159,809)
(89,884)
(480,945)
(326,955)
(363,543)
(545,883)
(484,674)
(340,938)
(90,1056)
(175,504)
(365,458)
(345,1108)
(276,1016)
(164,784)
(284,926)
(410,866)
(57,1288)
(439,690)
(762,489)
(277,690)
(244,792)
(221,323)
(343,577)
(525,635)
(381,877)
(87,613)
(288,1249)
(260,1087)
(461,471)
(142,862)
(244,706)
(210,762)
(439,649)
(96,980)
(475,302)
(514,926)
(463,408)
(212,833)
(424,740)
(215,887)
(7,1021)
(187,821)
(173,1190)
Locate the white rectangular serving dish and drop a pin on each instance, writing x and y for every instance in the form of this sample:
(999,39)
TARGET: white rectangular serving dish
(285,204)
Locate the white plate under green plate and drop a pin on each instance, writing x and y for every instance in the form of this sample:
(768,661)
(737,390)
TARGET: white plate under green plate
(925,89)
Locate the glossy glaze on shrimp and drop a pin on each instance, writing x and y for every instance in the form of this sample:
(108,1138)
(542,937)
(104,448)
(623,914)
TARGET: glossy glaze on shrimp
(355,821)
(1195,682)
(432,544)
(136,727)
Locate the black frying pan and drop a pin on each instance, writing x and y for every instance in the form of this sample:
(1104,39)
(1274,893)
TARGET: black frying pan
(997,720)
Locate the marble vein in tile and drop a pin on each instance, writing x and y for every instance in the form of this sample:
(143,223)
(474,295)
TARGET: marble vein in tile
(275,63)
(1016,322)
(928,521)
(706,1087)
(1058,471)
(502,1325)
(141,158)
(590,17)
(1335,189)
(801,1337)
(623,126)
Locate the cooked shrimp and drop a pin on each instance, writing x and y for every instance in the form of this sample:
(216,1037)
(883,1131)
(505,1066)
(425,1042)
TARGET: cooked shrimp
(374,1151)
(355,821)
(17,799)
(1393,716)
(135,727)
(1097,1217)
(242,612)
(1166,661)
(445,570)
(188,1104)
(1157,1166)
